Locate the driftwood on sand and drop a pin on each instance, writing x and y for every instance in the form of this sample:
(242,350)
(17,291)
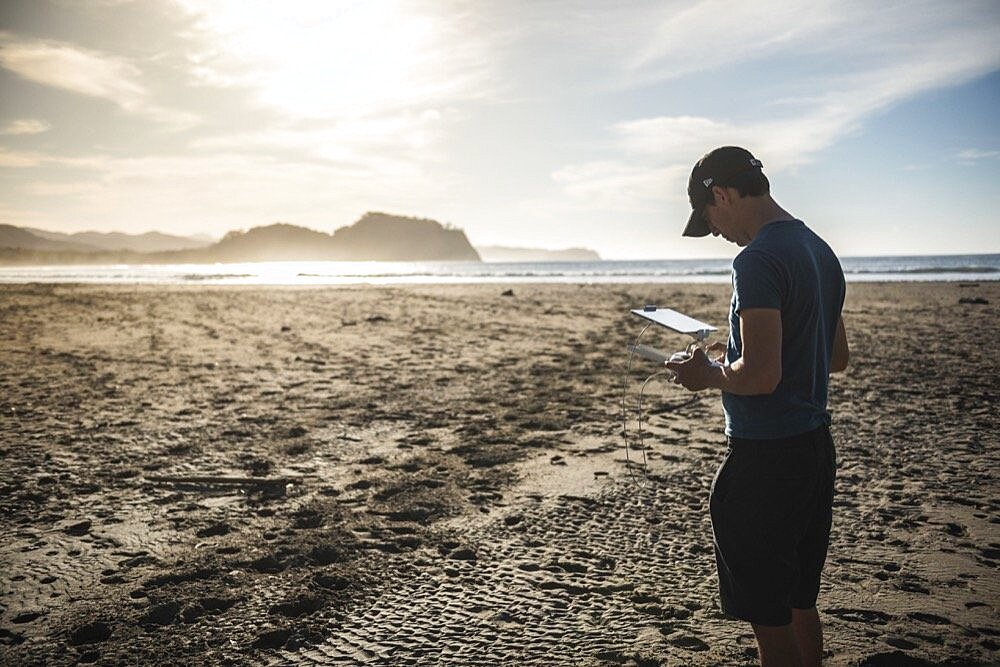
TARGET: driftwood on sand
(223,480)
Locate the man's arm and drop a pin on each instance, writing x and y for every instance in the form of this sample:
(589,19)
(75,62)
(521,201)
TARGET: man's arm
(841,353)
(757,371)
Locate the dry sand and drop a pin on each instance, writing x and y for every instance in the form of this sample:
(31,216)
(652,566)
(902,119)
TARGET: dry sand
(456,491)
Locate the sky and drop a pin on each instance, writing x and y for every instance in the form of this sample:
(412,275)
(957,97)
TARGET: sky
(547,124)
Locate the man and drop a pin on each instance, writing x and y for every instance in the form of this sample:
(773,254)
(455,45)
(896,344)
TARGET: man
(771,501)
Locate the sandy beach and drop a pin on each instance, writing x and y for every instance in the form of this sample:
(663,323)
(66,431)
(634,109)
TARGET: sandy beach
(435,475)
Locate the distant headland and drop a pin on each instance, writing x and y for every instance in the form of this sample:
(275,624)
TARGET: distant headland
(374,237)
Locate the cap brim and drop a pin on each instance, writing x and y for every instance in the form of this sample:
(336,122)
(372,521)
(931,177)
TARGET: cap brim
(696,225)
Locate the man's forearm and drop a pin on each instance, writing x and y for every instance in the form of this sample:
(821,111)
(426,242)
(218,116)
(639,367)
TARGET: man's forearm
(739,378)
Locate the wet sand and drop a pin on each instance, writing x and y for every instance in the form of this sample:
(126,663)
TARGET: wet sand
(435,475)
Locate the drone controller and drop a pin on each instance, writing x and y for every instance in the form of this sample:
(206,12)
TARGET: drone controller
(676,322)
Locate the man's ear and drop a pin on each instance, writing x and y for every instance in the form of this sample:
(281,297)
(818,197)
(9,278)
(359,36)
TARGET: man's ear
(720,194)
(725,195)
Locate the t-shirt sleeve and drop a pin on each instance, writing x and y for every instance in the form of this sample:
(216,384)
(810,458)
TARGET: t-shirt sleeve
(757,281)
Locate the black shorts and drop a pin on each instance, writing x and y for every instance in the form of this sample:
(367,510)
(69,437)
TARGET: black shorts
(771,513)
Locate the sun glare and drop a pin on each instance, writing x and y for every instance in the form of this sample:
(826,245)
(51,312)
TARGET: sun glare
(322,59)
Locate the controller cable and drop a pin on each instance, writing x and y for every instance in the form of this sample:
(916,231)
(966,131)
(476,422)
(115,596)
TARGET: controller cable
(642,389)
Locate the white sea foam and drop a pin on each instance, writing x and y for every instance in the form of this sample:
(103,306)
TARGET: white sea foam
(965,268)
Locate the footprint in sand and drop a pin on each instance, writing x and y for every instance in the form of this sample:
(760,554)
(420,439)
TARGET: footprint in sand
(302,606)
(8,638)
(215,530)
(272,638)
(860,615)
(331,582)
(688,642)
(913,585)
(933,619)
(209,606)
(161,614)
(91,633)
(26,617)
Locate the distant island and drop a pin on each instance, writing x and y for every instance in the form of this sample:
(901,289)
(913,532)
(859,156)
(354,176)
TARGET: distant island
(115,241)
(497,253)
(374,237)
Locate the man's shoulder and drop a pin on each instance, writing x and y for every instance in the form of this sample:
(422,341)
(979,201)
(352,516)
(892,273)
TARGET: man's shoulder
(756,257)
(754,267)
(793,252)
(784,241)
(807,236)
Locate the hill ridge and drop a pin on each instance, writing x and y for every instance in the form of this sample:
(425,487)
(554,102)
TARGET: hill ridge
(376,236)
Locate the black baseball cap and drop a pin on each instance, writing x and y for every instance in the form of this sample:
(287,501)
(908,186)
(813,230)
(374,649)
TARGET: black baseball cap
(718,167)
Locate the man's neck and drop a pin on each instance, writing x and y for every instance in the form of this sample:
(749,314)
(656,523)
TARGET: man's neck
(761,211)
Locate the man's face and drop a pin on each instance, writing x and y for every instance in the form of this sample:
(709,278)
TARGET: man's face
(720,222)
(722,218)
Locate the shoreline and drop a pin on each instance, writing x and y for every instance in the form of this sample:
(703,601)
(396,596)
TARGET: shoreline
(905,269)
(671,285)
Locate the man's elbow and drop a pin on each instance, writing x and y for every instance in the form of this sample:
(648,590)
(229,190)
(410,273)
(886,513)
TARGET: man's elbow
(766,382)
(839,362)
(769,385)
(841,350)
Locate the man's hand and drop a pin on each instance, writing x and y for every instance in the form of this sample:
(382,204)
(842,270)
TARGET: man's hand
(716,352)
(696,373)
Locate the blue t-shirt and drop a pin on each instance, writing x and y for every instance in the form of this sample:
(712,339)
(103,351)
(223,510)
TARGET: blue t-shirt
(787,266)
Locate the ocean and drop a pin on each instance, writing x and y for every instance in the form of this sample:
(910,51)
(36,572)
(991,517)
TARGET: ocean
(965,268)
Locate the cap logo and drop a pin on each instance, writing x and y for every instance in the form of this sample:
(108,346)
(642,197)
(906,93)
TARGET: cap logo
(707,182)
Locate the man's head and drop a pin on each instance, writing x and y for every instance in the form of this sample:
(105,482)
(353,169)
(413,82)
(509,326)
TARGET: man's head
(718,183)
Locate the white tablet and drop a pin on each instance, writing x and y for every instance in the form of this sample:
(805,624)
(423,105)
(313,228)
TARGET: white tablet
(675,321)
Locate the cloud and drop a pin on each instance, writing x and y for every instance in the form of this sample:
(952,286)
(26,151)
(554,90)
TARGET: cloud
(71,68)
(670,136)
(715,32)
(975,154)
(19,159)
(317,59)
(28,159)
(781,144)
(14,215)
(795,131)
(401,137)
(86,72)
(67,189)
(843,34)
(795,139)
(25,126)
(658,153)
(614,185)
(229,189)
